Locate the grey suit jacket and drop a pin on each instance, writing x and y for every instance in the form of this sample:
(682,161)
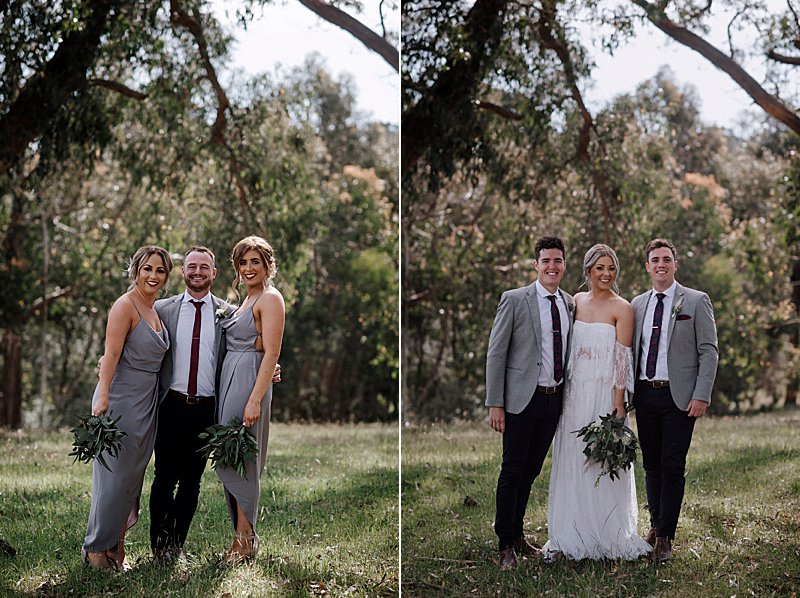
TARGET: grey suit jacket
(169,310)
(692,339)
(514,357)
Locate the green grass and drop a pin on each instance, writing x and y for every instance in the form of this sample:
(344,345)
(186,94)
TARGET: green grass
(327,520)
(739,532)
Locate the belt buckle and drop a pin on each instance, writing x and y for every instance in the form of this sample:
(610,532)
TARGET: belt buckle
(192,400)
(660,384)
(550,390)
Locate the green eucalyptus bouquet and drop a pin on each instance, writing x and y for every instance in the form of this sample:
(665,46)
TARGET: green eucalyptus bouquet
(95,435)
(230,445)
(610,443)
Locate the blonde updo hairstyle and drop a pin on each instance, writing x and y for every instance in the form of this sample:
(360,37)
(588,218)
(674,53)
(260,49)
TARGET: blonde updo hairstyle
(263,249)
(141,256)
(590,259)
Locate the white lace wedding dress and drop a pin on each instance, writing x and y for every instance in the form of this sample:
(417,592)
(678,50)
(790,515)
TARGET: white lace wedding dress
(584,520)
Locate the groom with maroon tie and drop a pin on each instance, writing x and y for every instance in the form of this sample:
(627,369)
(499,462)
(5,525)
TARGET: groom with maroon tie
(525,364)
(675,354)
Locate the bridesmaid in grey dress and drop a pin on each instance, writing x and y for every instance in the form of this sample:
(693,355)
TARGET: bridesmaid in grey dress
(253,340)
(136,342)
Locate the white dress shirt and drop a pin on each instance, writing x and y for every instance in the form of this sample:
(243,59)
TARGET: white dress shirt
(647,331)
(206,364)
(547,371)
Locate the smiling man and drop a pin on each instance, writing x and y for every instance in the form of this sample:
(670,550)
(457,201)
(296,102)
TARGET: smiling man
(675,356)
(525,367)
(186,389)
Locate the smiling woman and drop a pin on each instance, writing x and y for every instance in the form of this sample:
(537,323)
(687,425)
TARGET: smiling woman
(136,342)
(253,337)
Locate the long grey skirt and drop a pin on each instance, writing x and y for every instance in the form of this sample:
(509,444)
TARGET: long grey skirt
(133,394)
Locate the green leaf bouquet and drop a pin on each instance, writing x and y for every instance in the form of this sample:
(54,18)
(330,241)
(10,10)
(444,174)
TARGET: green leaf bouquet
(230,445)
(610,443)
(95,435)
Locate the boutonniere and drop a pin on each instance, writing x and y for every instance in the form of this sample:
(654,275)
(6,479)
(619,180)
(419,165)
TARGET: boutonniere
(221,314)
(676,309)
(571,308)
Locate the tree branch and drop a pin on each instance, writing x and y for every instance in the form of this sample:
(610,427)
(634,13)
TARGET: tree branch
(361,32)
(50,87)
(48,299)
(561,50)
(119,88)
(179,17)
(777,57)
(769,103)
(423,123)
(499,110)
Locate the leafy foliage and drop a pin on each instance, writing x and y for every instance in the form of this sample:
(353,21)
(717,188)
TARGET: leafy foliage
(294,162)
(609,443)
(230,446)
(655,170)
(95,435)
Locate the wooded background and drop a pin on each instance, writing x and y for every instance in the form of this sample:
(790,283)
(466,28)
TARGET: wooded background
(117,131)
(499,148)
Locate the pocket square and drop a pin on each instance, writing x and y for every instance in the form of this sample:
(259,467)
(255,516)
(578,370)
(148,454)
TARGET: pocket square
(684,317)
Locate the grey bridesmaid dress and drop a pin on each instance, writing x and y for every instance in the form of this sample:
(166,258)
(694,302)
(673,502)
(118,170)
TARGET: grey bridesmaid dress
(133,394)
(239,372)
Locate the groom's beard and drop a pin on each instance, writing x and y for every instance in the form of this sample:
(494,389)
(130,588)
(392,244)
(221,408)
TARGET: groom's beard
(198,285)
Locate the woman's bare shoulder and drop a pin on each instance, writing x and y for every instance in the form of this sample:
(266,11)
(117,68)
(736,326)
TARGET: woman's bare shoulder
(271,298)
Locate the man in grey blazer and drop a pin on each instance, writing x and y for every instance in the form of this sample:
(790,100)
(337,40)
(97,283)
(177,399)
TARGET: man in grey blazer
(187,405)
(525,367)
(675,355)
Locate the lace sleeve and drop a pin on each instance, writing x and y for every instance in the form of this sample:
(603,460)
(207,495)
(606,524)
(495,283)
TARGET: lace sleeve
(623,367)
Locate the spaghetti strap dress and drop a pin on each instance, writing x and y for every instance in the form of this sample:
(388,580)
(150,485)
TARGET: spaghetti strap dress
(239,372)
(133,394)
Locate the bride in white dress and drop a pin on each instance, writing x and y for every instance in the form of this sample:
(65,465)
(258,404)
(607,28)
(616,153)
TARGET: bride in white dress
(584,520)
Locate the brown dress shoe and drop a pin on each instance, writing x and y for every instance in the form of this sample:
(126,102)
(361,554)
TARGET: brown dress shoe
(508,559)
(650,538)
(662,551)
(524,547)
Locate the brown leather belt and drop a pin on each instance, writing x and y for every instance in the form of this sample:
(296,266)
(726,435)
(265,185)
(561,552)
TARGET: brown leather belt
(190,400)
(657,383)
(548,390)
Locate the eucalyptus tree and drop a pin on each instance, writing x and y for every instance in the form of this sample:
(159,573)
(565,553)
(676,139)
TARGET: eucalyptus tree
(128,98)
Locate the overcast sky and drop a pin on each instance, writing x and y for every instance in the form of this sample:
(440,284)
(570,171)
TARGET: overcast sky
(722,100)
(286,34)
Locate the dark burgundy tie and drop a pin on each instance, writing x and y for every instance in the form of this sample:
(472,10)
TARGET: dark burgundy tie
(192,389)
(655,336)
(558,364)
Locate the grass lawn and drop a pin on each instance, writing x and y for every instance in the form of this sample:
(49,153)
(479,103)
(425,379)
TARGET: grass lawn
(327,520)
(739,533)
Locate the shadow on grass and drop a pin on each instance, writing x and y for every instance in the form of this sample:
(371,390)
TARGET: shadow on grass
(340,533)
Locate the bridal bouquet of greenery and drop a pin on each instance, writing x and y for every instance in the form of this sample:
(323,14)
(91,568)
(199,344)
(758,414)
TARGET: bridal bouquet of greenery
(610,443)
(95,435)
(230,445)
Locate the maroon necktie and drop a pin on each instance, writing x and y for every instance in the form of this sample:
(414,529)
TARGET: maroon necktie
(558,364)
(655,336)
(192,389)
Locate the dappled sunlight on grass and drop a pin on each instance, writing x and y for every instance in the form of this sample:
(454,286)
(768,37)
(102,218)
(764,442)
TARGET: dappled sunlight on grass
(327,520)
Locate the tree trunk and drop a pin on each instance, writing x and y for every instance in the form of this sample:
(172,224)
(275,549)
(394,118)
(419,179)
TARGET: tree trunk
(11,414)
(794,377)
(455,87)
(46,91)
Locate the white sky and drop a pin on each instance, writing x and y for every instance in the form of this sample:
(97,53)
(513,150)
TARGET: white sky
(285,33)
(722,101)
